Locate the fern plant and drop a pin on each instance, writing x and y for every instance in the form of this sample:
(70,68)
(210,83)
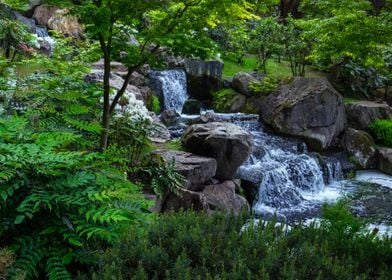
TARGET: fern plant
(56,204)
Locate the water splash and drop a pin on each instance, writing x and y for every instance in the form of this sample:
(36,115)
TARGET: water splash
(291,181)
(46,43)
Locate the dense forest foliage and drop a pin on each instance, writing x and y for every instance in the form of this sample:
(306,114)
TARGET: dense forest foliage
(73,170)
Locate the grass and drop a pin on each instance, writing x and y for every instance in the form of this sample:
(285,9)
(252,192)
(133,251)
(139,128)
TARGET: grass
(278,70)
(351,100)
(174,145)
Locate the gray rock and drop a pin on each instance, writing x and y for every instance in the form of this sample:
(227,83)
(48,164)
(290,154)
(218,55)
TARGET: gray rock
(187,200)
(241,82)
(309,108)
(43,13)
(158,133)
(362,113)
(228,144)
(169,117)
(116,82)
(196,170)
(237,103)
(222,197)
(361,146)
(203,77)
(385,160)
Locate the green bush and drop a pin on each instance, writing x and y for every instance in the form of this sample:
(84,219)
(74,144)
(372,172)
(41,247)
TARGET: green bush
(267,85)
(223,99)
(56,203)
(382,131)
(155,105)
(198,246)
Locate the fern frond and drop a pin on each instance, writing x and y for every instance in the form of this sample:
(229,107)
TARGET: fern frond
(91,127)
(56,138)
(31,254)
(55,269)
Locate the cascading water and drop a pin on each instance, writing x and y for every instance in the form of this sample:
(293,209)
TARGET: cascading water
(292,183)
(171,87)
(46,43)
(289,178)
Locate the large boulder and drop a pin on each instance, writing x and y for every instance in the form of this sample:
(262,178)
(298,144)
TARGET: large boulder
(385,160)
(361,114)
(223,197)
(116,82)
(65,24)
(241,82)
(132,101)
(203,78)
(158,133)
(228,144)
(169,117)
(43,13)
(196,170)
(361,146)
(186,200)
(309,108)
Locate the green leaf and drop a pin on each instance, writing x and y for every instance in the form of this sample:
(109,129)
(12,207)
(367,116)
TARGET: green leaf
(19,219)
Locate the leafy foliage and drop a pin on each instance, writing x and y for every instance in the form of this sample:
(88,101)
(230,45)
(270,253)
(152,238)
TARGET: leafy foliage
(164,178)
(155,105)
(192,246)
(382,131)
(363,80)
(56,202)
(223,99)
(265,86)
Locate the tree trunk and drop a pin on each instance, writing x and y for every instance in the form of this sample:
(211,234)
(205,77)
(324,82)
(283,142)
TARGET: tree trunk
(106,93)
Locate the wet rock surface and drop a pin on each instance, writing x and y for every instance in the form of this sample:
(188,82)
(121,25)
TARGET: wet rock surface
(228,144)
(309,108)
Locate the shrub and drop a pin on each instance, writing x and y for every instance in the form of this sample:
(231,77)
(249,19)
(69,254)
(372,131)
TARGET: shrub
(382,131)
(223,99)
(197,246)
(58,204)
(267,85)
(155,105)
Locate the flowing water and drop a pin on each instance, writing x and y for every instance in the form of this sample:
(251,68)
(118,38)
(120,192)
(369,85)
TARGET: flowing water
(46,43)
(170,86)
(292,183)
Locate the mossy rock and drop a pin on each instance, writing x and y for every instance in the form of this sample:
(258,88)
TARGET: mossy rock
(228,101)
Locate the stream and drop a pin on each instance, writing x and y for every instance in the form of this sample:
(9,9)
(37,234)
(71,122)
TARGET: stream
(292,183)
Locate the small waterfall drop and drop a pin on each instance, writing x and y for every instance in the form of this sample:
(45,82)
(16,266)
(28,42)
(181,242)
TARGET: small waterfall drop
(171,87)
(291,181)
(46,43)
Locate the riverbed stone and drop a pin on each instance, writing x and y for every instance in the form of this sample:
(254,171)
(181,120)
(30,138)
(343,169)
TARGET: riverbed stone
(191,107)
(385,160)
(241,82)
(360,114)
(185,200)
(224,198)
(169,117)
(228,144)
(361,147)
(196,170)
(309,108)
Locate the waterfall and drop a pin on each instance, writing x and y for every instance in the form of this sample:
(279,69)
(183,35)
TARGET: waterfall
(170,86)
(291,181)
(46,43)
